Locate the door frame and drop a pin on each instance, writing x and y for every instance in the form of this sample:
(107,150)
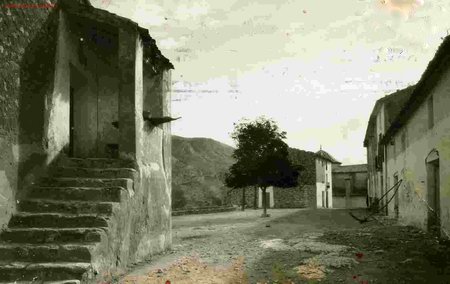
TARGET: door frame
(433,192)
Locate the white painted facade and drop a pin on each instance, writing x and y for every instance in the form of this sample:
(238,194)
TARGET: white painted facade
(413,154)
(324,185)
(269,191)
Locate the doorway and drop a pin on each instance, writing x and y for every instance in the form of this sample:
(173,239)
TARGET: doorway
(396,198)
(94,107)
(267,199)
(433,196)
(83,115)
(348,190)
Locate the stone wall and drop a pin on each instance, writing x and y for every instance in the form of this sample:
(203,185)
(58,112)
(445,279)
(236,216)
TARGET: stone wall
(295,197)
(27,56)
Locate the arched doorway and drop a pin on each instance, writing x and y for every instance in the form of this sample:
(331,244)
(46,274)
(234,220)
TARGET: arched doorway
(433,188)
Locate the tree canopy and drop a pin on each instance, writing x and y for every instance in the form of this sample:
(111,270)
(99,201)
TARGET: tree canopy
(261,156)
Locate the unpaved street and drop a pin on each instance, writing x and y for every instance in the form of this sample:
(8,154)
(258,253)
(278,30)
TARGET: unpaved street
(295,246)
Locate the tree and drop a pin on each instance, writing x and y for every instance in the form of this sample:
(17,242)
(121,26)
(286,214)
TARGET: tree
(261,158)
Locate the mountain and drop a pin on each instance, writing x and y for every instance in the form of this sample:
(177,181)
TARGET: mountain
(198,167)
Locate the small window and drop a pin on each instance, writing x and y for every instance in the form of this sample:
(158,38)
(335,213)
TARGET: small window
(430,112)
(403,140)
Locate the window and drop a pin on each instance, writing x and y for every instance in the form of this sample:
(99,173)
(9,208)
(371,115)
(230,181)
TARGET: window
(403,140)
(430,112)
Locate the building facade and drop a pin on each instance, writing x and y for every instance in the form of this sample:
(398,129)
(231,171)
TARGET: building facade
(418,151)
(324,179)
(81,93)
(350,186)
(382,115)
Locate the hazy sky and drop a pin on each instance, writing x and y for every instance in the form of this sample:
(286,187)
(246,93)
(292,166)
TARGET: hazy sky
(315,66)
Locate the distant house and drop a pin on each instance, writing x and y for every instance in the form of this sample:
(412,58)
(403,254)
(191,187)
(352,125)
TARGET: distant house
(312,189)
(324,183)
(382,115)
(417,150)
(350,186)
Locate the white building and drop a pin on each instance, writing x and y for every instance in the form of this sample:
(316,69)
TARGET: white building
(324,183)
(417,147)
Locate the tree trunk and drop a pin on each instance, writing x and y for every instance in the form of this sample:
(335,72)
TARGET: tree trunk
(263,189)
(255,198)
(243,198)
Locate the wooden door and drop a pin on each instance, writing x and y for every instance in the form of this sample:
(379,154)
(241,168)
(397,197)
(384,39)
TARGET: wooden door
(83,115)
(433,188)
(348,190)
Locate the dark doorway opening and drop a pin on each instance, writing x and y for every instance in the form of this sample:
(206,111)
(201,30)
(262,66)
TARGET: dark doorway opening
(433,180)
(267,199)
(71,133)
(396,199)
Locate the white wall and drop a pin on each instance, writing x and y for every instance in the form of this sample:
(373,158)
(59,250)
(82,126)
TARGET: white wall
(324,172)
(270,191)
(411,166)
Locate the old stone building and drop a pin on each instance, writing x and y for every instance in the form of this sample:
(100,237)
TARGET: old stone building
(85,161)
(324,179)
(417,151)
(382,115)
(350,186)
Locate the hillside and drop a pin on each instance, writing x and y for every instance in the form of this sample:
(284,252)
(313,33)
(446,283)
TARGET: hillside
(199,165)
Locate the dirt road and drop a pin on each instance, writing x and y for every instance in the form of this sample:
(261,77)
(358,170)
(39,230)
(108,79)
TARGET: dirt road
(295,246)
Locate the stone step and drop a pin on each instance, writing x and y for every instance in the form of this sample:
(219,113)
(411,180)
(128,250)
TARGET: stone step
(56,220)
(86,182)
(97,163)
(69,207)
(52,235)
(19,271)
(111,194)
(12,252)
(95,172)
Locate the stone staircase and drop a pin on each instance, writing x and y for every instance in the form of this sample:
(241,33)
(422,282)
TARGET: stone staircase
(59,226)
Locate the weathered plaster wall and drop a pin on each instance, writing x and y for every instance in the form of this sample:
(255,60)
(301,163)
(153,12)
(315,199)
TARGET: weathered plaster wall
(359,183)
(141,227)
(407,159)
(27,55)
(154,161)
(376,183)
(357,192)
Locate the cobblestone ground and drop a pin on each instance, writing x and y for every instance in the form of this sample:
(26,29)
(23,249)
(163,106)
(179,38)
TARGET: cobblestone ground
(295,246)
